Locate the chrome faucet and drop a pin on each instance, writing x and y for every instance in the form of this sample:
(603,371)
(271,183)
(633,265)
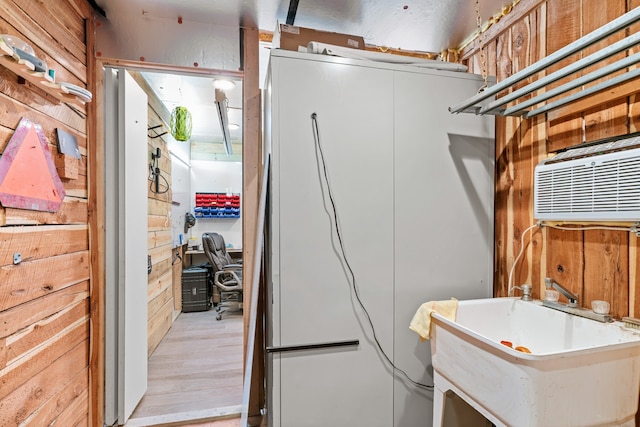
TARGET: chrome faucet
(573,299)
(572,307)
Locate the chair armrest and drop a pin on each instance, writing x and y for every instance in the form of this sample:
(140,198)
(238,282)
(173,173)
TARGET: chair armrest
(233,284)
(231,266)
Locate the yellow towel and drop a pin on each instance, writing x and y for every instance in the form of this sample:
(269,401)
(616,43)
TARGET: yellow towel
(421,323)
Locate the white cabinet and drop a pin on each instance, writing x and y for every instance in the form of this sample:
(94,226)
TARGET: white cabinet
(443,217)
(409,183)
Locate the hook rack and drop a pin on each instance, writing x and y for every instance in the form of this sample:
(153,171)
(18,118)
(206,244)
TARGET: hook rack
(157,135)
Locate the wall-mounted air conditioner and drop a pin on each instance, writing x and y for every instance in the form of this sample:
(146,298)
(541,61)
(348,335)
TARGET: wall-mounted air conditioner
(599,182)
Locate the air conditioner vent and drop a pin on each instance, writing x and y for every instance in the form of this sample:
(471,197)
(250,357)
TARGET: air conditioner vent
(604,187)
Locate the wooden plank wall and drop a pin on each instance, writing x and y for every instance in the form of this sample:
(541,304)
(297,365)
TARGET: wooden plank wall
(596,264)
(593,263)
(161,279)
(44,300)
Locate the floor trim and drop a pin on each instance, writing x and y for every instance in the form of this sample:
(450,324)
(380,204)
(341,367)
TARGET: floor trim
(190,417)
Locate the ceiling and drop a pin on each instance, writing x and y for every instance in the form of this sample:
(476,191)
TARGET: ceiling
(196,93)
(425,25)
(205,33)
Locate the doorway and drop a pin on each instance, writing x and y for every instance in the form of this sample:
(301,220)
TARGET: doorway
(167,239)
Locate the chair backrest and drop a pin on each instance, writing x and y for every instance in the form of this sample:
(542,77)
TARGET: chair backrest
(215,250)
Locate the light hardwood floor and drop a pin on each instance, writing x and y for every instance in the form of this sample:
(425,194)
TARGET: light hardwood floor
(195,374)
(223,423)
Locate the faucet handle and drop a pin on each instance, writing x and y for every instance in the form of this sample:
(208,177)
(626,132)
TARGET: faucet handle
(548,282)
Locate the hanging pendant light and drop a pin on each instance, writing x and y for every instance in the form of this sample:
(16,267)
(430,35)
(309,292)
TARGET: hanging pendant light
(181,124)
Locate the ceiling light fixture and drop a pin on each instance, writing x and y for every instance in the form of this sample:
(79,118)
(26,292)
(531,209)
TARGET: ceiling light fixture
(223,84)
(221,106)
(234,126)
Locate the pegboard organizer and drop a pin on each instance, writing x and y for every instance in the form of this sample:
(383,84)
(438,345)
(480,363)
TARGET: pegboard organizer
(217,205)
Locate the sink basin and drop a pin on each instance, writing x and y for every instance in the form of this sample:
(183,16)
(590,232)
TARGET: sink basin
(579,373)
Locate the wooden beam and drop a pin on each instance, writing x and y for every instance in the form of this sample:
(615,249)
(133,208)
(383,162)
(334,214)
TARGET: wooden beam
(251,174)
(97,238)
(519,11)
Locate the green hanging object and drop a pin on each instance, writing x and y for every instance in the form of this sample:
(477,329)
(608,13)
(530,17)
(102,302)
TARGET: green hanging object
(181,124)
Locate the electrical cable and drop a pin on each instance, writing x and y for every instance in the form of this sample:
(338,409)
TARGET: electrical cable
(593,227)
(154,174)
(316,137)
(559,227)
(515,261)
(166,183)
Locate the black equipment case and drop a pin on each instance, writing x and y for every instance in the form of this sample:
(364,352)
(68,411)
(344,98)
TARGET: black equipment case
(196,293)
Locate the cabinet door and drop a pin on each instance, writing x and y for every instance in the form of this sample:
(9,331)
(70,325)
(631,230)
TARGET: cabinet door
(444,183)
(312,297)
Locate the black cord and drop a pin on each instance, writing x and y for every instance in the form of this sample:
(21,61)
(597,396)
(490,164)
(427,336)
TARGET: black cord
(154,174)
(151,185)
(316,137)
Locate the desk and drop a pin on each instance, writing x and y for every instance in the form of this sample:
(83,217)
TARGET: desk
(235,253)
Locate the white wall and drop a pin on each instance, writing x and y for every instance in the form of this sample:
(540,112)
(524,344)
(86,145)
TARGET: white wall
(163,40)
(181,198)
(217,177)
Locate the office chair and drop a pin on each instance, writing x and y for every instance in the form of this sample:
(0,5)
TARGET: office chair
(224,273)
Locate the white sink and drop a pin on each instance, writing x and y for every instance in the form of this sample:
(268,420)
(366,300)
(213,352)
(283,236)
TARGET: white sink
(580,372)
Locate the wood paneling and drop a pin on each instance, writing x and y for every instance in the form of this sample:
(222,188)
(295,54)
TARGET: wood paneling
(41,242)
(520,145)
(72,398)
(563,27)
(161,279)
(34,392)
(72,211)
(593,263)
(47,46)
(45,298)
(504,176)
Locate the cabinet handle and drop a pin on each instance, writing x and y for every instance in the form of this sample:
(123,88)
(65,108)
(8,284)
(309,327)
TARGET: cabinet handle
(283,349)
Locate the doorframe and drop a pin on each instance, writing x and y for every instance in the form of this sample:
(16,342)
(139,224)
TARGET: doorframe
(251,164)
(125,327)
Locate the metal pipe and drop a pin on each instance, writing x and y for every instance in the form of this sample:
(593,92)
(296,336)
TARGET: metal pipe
(593,89)
(583,42)
(588,78)
(585,62)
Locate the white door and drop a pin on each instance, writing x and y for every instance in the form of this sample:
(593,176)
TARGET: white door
(126,245)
